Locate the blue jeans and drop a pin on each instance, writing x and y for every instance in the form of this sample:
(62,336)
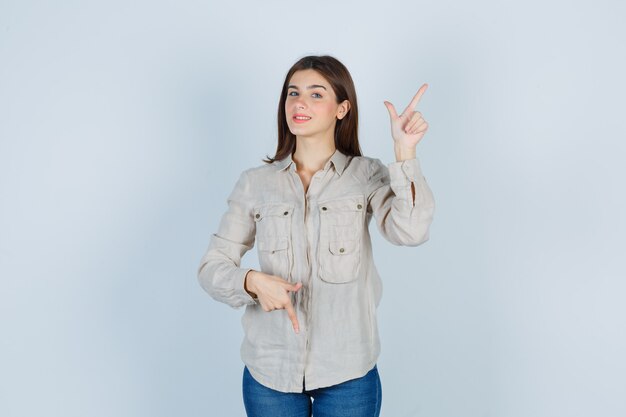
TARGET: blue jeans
(360,397)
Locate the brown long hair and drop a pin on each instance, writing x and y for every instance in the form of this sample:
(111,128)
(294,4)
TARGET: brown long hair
(346,129)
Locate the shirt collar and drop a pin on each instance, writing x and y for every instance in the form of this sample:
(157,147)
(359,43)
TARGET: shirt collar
(338,159)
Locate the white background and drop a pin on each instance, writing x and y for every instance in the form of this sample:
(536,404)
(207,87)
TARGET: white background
(124,127)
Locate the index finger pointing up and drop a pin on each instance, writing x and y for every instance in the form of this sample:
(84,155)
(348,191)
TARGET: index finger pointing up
(416,99)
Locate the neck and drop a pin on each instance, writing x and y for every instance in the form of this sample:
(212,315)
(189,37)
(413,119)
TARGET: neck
(311,156)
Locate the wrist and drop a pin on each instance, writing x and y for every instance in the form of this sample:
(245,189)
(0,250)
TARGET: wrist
(248,283)
(404,153)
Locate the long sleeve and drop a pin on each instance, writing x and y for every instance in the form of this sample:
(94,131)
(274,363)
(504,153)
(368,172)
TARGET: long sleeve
(401,219)
(219,272)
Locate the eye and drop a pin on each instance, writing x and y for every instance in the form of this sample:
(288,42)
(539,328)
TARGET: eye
(295,92)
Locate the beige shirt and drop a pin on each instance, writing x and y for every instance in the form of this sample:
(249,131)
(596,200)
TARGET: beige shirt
(321,239)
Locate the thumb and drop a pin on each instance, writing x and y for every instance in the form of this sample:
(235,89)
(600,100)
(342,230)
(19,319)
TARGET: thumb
(391,109)
(294,287)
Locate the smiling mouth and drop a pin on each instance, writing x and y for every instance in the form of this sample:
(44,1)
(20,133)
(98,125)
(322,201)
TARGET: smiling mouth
(301,119)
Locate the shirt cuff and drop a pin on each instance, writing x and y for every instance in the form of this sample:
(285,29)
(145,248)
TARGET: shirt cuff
(402,173)
(240,279)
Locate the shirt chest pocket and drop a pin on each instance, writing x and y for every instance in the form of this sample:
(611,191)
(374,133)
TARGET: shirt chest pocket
(273,237)
(341,228)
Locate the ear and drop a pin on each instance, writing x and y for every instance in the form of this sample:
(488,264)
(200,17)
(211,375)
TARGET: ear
(344,108)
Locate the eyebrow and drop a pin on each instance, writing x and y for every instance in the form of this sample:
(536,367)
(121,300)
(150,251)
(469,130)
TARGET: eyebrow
(309,87)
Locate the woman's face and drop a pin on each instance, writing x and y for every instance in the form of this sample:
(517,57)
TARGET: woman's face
(310,95)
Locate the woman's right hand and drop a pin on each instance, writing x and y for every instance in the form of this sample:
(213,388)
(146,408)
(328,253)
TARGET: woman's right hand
(272,292)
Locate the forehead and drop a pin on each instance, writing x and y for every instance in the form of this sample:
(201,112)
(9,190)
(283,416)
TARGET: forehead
(303,78)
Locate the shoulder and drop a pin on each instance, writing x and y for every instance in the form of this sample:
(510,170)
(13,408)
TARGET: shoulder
(367,164)
(258,173)
(261,169)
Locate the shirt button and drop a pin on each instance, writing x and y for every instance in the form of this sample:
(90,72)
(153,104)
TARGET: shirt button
(359,207)
(324,208)
(286,213)
(342,250)
(257,215)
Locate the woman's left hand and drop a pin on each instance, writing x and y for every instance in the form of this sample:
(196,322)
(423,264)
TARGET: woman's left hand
(408,128)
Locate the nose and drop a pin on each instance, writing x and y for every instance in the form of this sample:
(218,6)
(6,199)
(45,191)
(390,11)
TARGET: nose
(300,104)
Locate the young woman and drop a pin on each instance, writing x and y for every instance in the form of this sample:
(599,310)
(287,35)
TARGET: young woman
(310,319)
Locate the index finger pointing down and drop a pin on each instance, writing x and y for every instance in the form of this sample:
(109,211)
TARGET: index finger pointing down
(292,316)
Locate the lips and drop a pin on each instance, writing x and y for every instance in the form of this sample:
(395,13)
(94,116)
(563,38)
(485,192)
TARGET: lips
(304,118)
